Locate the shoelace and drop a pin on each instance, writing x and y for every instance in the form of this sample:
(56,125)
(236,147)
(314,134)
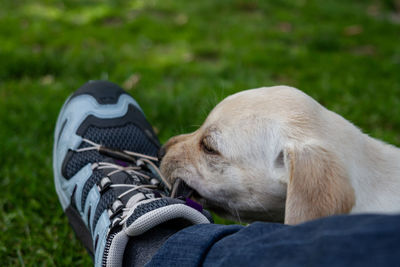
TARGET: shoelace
(133,157)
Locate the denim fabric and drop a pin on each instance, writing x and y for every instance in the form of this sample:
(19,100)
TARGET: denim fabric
(357,240)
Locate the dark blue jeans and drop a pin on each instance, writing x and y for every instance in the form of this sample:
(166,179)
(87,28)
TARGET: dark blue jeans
(357,240)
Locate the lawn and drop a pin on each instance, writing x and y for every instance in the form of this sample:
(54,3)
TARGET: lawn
(178,59)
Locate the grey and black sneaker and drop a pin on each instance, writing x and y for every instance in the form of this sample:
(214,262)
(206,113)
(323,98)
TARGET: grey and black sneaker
(106,172)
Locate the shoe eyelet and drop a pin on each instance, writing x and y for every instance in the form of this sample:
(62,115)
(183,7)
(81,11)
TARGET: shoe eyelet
(115,208)
(154,181)
(104,184)
(116,221)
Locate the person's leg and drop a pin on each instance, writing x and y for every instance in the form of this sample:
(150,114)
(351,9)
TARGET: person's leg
(141,249)
(352,240)
(109,193)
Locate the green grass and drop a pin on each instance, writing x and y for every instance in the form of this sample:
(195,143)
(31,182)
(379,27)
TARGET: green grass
(178,59)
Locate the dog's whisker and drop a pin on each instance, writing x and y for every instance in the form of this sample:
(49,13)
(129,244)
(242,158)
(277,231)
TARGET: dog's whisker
(237,215)
(259,204)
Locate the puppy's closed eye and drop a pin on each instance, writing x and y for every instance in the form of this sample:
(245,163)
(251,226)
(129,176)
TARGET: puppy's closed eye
(207,144)
(279,161)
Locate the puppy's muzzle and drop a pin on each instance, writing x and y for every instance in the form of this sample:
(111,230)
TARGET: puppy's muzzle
(161,153)
(181,189)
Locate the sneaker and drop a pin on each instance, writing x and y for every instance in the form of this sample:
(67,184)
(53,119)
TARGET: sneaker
(106,172)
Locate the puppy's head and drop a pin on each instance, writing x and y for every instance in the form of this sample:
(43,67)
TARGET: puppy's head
(254,157)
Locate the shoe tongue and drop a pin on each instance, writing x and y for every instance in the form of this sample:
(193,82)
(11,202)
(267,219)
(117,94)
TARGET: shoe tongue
(126,178)
(121,162)
(120,158)
(123,177)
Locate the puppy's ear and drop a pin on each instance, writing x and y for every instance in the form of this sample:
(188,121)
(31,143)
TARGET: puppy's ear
(318,184)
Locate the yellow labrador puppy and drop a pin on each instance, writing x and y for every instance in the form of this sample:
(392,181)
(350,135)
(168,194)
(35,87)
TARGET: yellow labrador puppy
(276,154)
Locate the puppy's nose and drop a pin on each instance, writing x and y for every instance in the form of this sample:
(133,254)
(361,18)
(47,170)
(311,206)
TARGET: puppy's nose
(161,153)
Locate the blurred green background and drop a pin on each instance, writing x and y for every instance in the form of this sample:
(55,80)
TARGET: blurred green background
(178,59)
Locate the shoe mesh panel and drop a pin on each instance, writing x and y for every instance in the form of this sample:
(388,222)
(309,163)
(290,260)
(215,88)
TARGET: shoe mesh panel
(94,179)
(127,137)
(105,201)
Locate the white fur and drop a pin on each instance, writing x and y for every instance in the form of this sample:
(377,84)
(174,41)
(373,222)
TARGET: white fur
(251,129)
